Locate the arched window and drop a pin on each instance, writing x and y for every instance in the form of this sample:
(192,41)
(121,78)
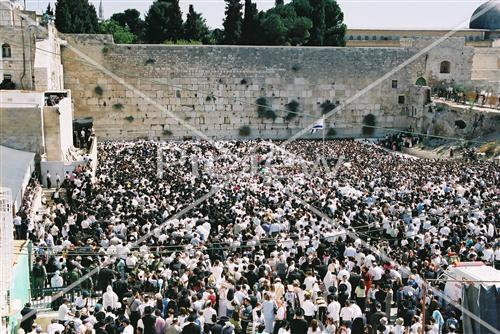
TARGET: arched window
(444,67)
(421,82)
(358,38)
(374,37)
(351,38)
(367,38)
(6,51)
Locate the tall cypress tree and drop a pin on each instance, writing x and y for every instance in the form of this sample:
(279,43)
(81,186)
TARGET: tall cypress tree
(195,28)
(335,27)
(232,22)
(76,16)
(250,25)
(163,22)
(318,21)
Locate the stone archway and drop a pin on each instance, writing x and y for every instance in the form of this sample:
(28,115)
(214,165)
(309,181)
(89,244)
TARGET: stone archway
(421,82)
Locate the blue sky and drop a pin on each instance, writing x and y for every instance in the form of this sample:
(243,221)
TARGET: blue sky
(402,14)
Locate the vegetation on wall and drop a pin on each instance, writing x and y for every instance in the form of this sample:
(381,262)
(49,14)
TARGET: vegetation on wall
(369,122)
(118,106)
(264,110)
(331,133)
(293,110)
(129,118)
(167,132)
(327,106)
(245,131)
(98,90)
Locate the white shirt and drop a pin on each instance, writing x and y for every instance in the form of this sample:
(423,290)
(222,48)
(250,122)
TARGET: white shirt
(346,314)
(62,314)
(128,330)
(334,310)
(208,313)
(53,327)
(309,308)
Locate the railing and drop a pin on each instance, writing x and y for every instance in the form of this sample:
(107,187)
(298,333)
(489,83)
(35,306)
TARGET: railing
(50,298)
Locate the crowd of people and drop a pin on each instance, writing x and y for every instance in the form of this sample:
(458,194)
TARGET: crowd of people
(253,257)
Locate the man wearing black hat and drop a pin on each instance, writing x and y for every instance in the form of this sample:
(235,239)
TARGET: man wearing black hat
(26,323)
(191,327)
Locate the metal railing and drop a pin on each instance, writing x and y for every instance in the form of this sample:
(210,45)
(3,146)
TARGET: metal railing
(46,298)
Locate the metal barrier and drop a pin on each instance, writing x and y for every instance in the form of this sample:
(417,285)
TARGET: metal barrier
(43,299)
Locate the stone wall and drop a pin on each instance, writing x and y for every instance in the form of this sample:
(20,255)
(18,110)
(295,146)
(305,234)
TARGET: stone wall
(214,88)
(21,128)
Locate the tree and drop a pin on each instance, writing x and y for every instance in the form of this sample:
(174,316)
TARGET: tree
(130,18)
(274,31)
(250,25)
(121,35)
(298,33)
(232,22)
(195,28)
(163,22)
(335,27)
(49,10)
(318,22)
(76,16)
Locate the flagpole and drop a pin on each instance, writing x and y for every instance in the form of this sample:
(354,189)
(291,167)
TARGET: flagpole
(323,137)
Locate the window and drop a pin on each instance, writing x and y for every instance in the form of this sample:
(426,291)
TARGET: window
(374,37)
(394,84)
(367,38)
(227,120)
(471,38)
(201,120)
(444,67)
(351,38)
(358,38)
(401,99)
(6,51)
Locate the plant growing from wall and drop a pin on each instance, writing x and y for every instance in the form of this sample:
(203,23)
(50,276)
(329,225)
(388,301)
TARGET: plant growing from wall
(243,82)
(296,67)
(150,61)
(167,132)
(327,106)
(118,106)
(262,106)
(98,90)
(210,97)
(369,122)
(130,118)
(245,131)
(105,50)
(293,110)
(331,133)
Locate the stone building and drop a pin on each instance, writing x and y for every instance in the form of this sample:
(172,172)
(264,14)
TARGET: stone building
(32,75)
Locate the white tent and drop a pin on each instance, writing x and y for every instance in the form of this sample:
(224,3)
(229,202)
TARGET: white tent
(15,170)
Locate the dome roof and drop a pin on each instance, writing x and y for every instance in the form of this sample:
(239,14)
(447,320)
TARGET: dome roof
(488,20)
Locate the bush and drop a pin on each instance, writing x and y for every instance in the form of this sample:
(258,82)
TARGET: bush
(369,122)
(243,82)
(118,106)
(460,124)
(293,108)
(331,133)
(105,50)
(245,131)
(98,90)
(295,67)
(167,132)
(130,118)
(326,107)
(261,106)
(150,61)
(270,114)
